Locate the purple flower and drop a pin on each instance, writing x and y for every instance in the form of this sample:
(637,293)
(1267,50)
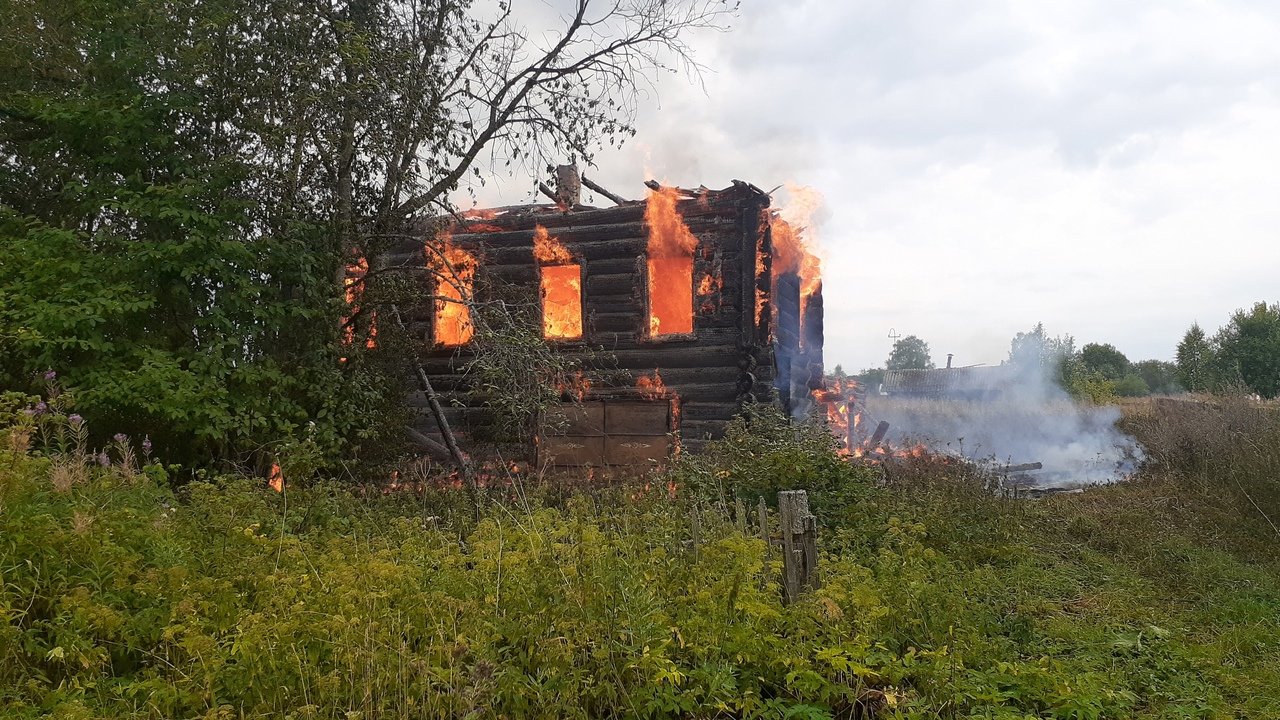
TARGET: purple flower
(50,375)
(120,438)
(103,460)
(75,419)
(146,444)
(29,412)
(42,407)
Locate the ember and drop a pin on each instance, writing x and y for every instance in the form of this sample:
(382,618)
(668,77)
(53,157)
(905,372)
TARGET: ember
(670,265)
(276,479)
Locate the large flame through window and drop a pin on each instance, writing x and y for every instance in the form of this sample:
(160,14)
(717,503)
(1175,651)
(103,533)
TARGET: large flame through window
(454,270)
(561,288)
(670,265)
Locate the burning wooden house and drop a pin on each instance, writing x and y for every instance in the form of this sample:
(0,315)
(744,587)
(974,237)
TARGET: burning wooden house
(684,307)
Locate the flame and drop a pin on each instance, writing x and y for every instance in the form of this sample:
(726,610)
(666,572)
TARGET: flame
(455,271)
(670,265)
(561,281)
(842,398)
(480,213)
(549,250)
(276,479)
(793,237)
(651,387)
(576,385)
(352,290)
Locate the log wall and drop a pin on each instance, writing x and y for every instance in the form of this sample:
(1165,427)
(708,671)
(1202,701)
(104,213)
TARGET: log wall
(727,361)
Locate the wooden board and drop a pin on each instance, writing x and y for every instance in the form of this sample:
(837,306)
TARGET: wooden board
(584,419)
(573,450)
(637,418)
(635,449)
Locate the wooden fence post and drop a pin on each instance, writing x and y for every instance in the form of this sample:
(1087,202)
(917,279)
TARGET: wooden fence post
(799,544)
(763,513)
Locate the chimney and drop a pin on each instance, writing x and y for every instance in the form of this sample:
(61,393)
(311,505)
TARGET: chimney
(568,186)
(948,361)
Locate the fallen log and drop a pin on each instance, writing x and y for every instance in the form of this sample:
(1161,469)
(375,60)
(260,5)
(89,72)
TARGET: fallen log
(881,430)
(1024,467)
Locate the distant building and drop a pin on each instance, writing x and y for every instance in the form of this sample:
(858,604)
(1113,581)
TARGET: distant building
(964,383)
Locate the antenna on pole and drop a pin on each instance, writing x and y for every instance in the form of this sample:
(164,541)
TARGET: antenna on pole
(893,335)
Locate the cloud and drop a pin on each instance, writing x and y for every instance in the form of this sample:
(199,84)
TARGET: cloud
(1104,167)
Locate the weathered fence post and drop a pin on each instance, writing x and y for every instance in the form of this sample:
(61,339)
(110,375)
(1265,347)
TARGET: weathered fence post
(763,513)
(799,544)
(740,515)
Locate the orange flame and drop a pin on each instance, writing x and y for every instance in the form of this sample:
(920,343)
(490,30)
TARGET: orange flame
(455,270)
(575,385)
(561,281)
(670,265)
(276,479)
(793,232)
(352,290)
(549,250)
(651,387)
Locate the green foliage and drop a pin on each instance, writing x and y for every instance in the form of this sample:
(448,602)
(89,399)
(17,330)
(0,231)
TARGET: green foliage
(1195,360)
(122,598)
(1104,360)
(763,452)
(1160,376)
(871,378)
(1132,385)
(909,353)
(151,258)
(1247,350)
(1054,358)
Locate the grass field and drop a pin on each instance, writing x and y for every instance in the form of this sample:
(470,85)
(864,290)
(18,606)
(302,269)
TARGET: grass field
(1158,597)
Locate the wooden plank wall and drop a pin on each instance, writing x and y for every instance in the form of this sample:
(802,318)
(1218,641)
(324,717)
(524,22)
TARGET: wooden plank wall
(727,361)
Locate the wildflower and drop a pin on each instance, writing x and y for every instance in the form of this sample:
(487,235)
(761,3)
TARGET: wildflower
(42,407)
(104,460)
(29,412)
(120,438)
(50,375)
(146,444)
(75,419)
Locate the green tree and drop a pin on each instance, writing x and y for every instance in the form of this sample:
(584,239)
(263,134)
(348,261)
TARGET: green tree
(909,353)
(1195,360)
(1248,349)
(871,377)
(1131,385)
(1160,376)
(184,183)
(1104,360)
(1054,358)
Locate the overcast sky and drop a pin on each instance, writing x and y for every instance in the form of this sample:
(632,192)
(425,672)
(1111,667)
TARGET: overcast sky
(1108,168)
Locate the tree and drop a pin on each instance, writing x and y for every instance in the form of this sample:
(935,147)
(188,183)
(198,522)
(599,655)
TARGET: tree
(1131,385)
(1052,358)
(871,378)
(1248,349)
(1160,376)
(1195,360)
(184,184)
(1104,360)
(909,353)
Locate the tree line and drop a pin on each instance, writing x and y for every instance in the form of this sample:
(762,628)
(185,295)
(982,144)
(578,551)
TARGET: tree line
(1243,356)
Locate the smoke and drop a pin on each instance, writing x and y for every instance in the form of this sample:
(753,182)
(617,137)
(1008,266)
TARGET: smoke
(1010,415)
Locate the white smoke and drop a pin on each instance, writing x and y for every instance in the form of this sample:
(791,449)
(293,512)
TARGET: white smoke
(1023,417)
